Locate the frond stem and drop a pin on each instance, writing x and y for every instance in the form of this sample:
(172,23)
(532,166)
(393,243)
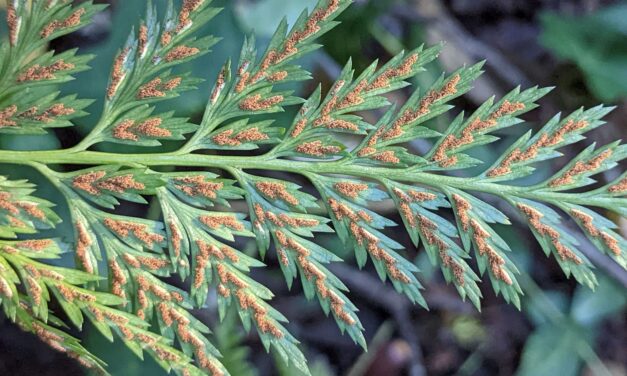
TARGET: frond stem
(339,167)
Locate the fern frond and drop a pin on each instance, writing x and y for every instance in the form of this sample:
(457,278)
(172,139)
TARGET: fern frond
(194,232)
(473,221)
(350,166)
(309,134)
(474,131)
(360,229)
(142,75)
(135,256)
(29,103)
(416,207)
(272,203)
(515,163)
(27,286)
(250,92)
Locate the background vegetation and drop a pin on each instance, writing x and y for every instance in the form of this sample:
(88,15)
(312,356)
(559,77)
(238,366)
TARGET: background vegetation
(579,46)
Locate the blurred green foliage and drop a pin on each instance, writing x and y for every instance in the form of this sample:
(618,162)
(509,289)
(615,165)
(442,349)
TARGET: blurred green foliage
(262,17)
(597,43)
(565,333)
(229,339)
(356,32)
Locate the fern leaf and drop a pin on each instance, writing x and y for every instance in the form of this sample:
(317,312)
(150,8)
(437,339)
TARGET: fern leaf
(515,163)
(250,90)
(29,102)
(271,202)
(352,169)
(416,207)
(41,282)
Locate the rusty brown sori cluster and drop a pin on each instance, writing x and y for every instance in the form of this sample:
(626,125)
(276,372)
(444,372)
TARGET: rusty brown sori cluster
(96,182)
(73,20)
(451,142)
(581,167)
(231,284)
(366,238)
(48,115)
(407,117)
(535,219)
(230,138)
(546,140)
(156,88)
(480,238)
(593,231)
(276,190)
(132,130)
(311,271)
(39,73)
